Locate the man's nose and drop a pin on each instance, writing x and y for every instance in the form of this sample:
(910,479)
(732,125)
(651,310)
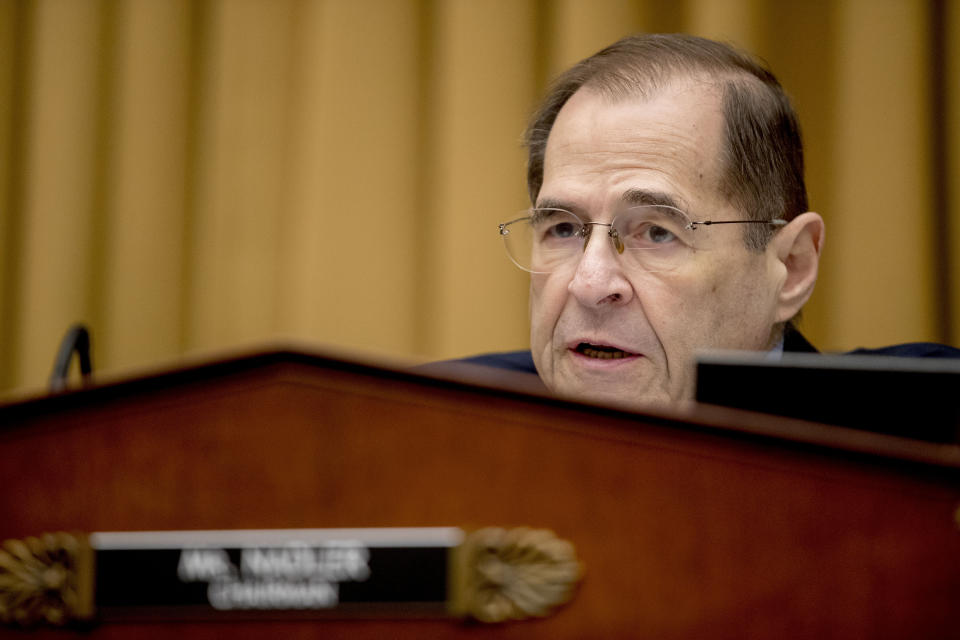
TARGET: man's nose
(600,279)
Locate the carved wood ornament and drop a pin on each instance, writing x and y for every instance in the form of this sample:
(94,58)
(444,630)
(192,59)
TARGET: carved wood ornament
(46,580)
(512,574)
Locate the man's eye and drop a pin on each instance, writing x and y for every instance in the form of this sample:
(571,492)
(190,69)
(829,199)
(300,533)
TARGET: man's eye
(659,235)
(562,230)
(650,235)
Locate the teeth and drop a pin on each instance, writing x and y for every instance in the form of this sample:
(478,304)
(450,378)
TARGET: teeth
(602,355)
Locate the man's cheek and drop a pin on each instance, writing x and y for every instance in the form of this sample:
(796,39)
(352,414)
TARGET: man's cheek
(546,299)
(540,324)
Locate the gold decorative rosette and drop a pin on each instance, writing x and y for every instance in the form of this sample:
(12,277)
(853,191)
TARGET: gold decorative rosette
(512,574)
(46,580)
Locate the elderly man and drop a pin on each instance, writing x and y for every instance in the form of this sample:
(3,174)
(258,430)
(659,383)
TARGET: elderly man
(669,216)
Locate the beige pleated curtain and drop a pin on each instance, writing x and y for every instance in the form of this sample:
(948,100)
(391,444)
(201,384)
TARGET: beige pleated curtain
(187,176)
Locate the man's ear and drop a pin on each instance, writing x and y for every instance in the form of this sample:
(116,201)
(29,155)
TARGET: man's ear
(797,247)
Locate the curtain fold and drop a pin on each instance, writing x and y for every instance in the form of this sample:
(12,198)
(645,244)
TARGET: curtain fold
(194,175)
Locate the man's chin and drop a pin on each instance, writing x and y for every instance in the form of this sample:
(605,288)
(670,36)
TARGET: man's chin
(623,394)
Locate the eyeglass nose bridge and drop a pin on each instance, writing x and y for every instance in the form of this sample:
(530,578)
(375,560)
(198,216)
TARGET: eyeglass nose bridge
(612,232)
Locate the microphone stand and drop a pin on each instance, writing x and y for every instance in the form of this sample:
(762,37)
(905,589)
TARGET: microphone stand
(76,340)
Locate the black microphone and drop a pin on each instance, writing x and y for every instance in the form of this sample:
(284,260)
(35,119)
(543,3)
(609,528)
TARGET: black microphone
(76,340)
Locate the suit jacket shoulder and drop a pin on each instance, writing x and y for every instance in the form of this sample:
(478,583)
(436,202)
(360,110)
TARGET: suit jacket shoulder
(793,341)
(520,361)
(912,350)
(512,360)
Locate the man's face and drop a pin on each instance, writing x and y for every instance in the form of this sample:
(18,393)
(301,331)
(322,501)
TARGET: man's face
(601,157)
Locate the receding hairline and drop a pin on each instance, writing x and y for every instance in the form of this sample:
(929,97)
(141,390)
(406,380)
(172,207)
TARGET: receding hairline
(710,87)
(707,93)
(646,84)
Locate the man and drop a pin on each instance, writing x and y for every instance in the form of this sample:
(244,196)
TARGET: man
(669,216)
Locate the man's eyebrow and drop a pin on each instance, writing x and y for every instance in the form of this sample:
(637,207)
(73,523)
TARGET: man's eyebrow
(638,197)
(632,197)
(549,203)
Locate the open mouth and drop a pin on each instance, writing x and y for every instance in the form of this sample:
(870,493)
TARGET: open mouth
(602,352)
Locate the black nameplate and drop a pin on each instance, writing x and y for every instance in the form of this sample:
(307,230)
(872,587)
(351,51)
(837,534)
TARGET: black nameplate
(312,571)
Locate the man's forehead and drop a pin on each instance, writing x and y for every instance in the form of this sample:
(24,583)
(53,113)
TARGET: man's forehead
(673,135)
(682,102)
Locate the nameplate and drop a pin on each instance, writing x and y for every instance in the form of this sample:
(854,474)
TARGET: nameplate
(491,575)
(208,573)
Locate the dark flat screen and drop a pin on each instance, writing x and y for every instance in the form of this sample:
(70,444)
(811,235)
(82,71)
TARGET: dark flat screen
(910,397)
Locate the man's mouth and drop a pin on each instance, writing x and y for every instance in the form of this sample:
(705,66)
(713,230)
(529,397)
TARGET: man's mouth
(602,352)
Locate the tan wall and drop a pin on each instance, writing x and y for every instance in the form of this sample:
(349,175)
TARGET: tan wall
(196,175)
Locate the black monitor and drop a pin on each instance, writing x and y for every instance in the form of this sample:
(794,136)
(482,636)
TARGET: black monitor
(909,397)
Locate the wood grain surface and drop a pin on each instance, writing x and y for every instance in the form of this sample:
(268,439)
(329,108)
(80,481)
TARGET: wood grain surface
(703,523)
